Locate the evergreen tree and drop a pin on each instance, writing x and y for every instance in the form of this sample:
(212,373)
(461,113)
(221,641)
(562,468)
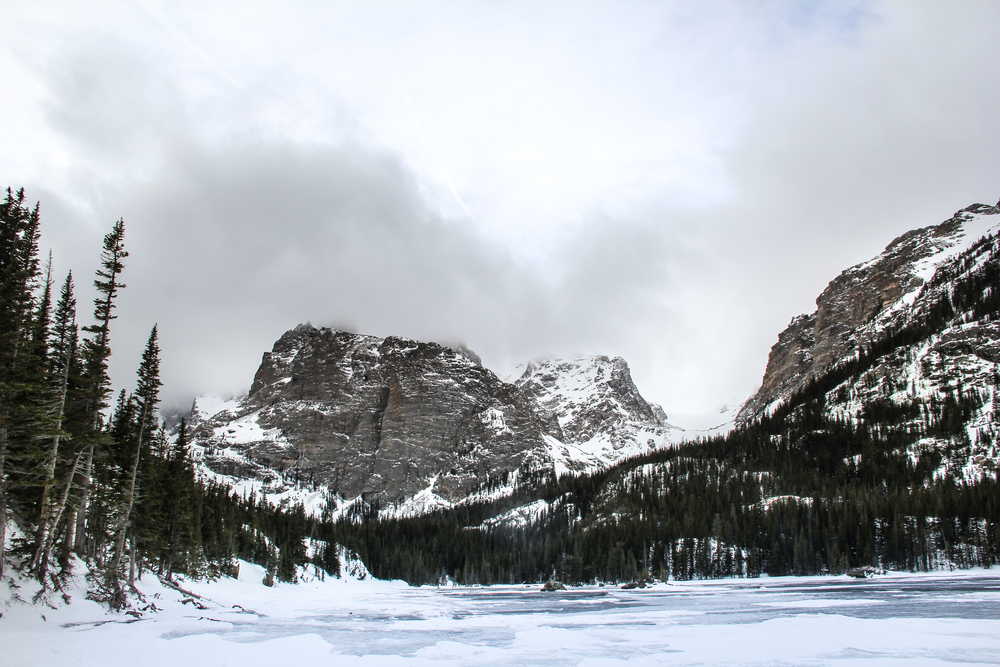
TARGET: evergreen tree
(31,418)
(19,231)
(96,351)
(181,520)
(62,360)
(147,398)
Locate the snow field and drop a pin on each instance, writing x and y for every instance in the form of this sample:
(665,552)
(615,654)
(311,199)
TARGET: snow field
(911,619)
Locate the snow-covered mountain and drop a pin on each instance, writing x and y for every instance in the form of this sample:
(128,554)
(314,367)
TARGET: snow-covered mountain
(334,416)
(599,409)
(906,332)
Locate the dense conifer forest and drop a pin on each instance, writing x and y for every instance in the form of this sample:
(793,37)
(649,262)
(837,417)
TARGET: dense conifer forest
(803,495)
(87,476)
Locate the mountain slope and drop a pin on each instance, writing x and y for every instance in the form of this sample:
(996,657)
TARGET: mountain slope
(909,340)
(598,407)
(868,301)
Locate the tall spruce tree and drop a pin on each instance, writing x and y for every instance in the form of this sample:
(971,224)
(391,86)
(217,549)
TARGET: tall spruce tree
(96,351)
(147,397)
(167,514)
(62,361)
(181,512)
(19,270)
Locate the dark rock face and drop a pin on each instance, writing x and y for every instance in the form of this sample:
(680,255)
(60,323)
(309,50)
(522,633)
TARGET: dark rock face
(790,360)
(859,305)
(381,418)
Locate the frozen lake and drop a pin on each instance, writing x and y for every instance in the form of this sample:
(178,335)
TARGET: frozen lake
(949,618)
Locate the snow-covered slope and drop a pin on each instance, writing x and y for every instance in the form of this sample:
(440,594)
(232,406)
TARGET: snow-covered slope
(868,300)
(599,409)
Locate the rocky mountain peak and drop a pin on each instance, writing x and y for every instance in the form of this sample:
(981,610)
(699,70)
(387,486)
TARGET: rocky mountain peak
(392,419)
(384,418)
(864,301)
(598,405)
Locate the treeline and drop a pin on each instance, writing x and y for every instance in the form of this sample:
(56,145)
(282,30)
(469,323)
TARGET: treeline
(813,496)
(108,487)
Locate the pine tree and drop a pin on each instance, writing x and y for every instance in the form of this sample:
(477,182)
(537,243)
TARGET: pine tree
(30,417)
(19,231)
(148,388)
(64,370)
(96,351)
(63,350)
(180,511)
(147,397)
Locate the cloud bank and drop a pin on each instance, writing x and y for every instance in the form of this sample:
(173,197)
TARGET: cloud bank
(670,182)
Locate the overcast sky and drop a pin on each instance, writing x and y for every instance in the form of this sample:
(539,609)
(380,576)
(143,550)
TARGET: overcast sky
(670,182)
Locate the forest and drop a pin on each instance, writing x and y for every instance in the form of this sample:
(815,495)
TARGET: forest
(89,478)
(808,495)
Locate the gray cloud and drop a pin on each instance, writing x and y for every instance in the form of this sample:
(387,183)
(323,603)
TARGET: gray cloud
(721,165)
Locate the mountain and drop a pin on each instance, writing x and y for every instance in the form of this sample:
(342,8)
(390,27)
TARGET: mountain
(887,293)
(396,421)
(381,417)
(598,407)
(915,326)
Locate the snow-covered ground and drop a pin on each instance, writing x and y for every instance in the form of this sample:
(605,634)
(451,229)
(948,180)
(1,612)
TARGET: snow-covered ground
(912,619)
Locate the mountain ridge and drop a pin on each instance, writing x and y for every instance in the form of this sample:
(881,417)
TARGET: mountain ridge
(416,425)
(864,302)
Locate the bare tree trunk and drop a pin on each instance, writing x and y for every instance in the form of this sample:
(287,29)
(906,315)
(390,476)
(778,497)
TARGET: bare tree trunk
(45,526)
(3,493)
(131,563)
(44,517)
(57,516)
(80,525)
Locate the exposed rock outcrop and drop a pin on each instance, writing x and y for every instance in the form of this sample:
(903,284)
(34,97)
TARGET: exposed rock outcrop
(869,299)
(380,418)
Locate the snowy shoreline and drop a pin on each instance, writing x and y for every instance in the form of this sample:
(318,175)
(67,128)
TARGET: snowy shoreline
(933,617)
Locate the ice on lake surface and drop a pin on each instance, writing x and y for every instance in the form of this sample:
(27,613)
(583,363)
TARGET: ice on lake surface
(911,619)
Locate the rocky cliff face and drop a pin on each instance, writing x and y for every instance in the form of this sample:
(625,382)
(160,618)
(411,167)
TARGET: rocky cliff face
(381,418)
(868,300)
(394,419)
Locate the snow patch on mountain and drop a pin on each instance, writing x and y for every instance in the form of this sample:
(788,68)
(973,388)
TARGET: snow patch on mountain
(207,406)
(520,516)
(603,416)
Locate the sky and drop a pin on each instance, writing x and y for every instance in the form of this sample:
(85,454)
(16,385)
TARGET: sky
(670,182)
